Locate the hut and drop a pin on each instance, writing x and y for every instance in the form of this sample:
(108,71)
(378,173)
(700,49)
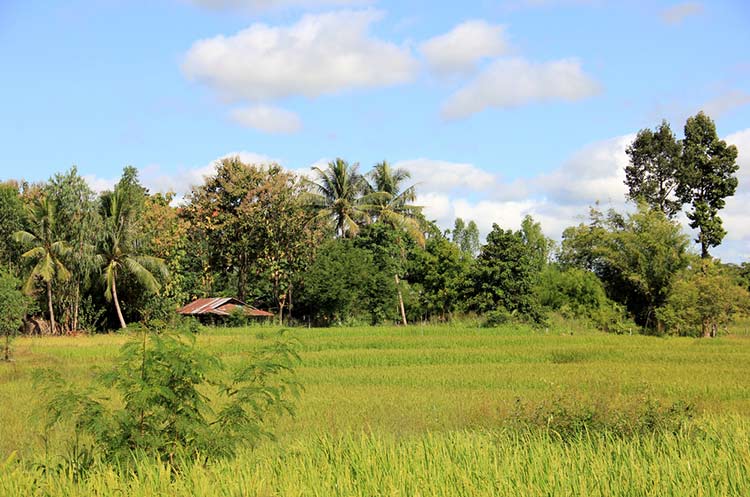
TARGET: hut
(221,307)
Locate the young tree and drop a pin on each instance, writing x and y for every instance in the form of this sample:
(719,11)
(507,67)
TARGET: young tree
(707,178)
(48,250)
(703,299)
(13,306)
(654,170)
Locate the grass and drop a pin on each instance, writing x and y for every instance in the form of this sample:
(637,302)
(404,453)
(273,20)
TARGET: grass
(426,411)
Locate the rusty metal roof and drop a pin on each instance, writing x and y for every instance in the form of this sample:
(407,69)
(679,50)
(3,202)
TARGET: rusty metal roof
(220,306)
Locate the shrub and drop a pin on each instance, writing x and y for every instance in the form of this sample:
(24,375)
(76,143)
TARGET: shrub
(166,386)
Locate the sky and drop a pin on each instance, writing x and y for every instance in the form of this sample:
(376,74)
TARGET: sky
(498,108)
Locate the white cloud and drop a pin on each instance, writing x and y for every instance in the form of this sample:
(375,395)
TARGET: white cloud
(678,13)
(262,5)
(594,173)
(509,83)
(444,176)
(268,119)
(319,54)
(725,103)
(735,215)
(459,50)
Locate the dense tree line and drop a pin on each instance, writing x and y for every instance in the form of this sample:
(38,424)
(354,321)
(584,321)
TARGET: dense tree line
(346,247)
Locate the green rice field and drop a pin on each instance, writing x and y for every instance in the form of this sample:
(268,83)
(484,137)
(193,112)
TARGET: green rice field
(436,410)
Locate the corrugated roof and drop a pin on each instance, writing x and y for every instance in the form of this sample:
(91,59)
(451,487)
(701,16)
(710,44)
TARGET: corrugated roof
(220,306)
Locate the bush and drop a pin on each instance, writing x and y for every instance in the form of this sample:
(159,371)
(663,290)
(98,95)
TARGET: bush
(174,404)
(13,306)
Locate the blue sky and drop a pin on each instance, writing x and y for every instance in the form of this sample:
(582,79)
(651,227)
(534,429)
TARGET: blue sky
(499,108)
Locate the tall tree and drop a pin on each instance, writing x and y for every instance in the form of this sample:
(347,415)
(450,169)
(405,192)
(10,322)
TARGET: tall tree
(78,223)
(539,245)
(654,170)
(466,236)
(337,194)
(391,204)
(48,251)
(119,249)
(11,220)
(707,179)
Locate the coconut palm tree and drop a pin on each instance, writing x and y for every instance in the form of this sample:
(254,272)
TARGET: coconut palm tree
(392,205)
(47,251)
(338,194)
(118,248)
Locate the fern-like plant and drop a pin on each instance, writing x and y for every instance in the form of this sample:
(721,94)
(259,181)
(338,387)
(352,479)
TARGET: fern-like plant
(174,400)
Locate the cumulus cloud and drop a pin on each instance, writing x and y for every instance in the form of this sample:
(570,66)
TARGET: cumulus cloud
(444,176)
(725,103)
(268,119)
(678,13)
(262,5)
(320,54)
(509,83)
(459,50)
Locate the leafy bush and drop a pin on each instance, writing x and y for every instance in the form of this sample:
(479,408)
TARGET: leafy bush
(13,306)
(166,387)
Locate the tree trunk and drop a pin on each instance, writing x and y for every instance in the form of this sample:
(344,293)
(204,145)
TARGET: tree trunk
(76,306)
(53,329)
(117,304)
(400,301)
(7,346)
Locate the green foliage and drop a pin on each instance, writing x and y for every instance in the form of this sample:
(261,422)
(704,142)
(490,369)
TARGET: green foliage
(440,270)
(653,174)
(338,283)
(11,220)
(577,293)
(503,277)
(636,257)
(466,237)
(167,389)
(702,300)
(707,179)
(13,305)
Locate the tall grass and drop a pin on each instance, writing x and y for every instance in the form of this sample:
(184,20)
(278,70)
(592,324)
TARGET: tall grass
(421,411)
(710,460)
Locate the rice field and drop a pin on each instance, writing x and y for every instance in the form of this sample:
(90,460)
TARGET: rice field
(430,411)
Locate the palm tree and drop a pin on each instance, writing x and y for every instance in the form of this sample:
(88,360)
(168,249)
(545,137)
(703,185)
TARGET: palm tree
(338,194)
(48,252)
(118,250)
(392,205)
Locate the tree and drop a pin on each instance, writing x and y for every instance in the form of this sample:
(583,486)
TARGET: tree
(48,250)
(707,179)
(391,204)
(503,276)
(654,170)
(284,233)
(77,224)
(11,220)
(539,245)
(337,195)
(701,300)
(466,236)
(636,257)
(119,249)
(13,306)
(338,282)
